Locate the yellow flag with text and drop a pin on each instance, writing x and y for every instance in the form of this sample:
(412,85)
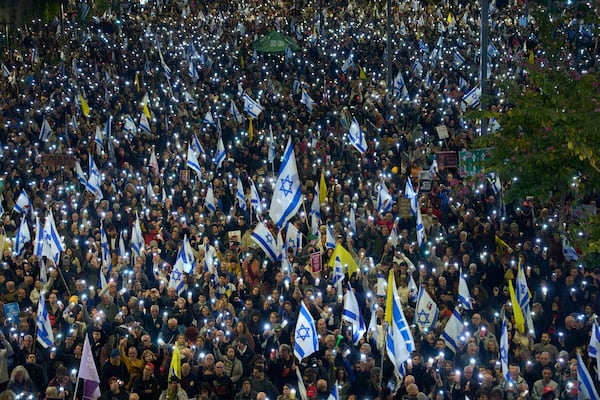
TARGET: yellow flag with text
(85,108)
(517,312)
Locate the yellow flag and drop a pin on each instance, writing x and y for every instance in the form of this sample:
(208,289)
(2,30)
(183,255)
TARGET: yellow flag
(345,258)
(145,101)
(175,367)
(137,81)
(361,73)
(242,61)
(501,246)
(390,297)
(450,19)
(322,189)
(531,57)
(250,130)
(85,108)
(517,312)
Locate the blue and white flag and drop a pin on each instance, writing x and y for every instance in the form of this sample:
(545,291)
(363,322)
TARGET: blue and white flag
(427,80)
(335,392)
(585,384)
(188,252)
(352,221)
(252,107)
(413,290)
(122,250)
(287,194)
(307,101)
(197,146)
(351,313)
(417,68)
(137,237)
(472,97)
(568,250)
(458,59)
(193,71)
(462,83)
(208,118)
(400,90)
(348,63)
(338,275)
(594,347)
(410,193)
(433,169)
(106,256)
(5,71)
(45,131)
(357,137)
(99,140)
(271,153)
(492,50)
(420,228)
(129,125)
(426,311)
(464,297)
(53,245)
(145,124)
(453,331)
(94,182)
(399,340)
(38,247)
(22,202)
(220,153)
(293,238)
(384,199)
(192,162)
(265,240)
(306,340)
(23,236)
(235,113)
(504,351)
(329,238)
(254,198)
(45,336)
(176,278)
(524,298)
(240,195)
(209,200)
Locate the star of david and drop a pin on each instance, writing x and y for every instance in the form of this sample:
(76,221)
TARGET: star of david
(523,289)
(23,239)
(286,185)
(503,352)
(176,275)
(291,243)
(303,333)
(269,239)
(423,317)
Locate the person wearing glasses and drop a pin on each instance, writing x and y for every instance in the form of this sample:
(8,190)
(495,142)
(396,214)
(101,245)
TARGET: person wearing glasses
(146,385)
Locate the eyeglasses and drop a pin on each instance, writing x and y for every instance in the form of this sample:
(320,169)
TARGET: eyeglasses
(219,366)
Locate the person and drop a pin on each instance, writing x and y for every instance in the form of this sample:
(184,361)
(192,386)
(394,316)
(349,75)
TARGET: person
(5,353)
(233,366)
(113,367)
(246,393)
(115,392)
(146,385)
(173,391)
(261,383)
(543,386)
(221,384)
(20,382)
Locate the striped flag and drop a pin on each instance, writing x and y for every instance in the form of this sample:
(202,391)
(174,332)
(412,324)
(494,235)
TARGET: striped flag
(265,240)
(399,340)
(176,278)
(209,200)
(351,313)
(524,298)
(453,331)
(22,202)
(45,131)
(594,347)
(240,195)
(45,336)
(306,340)
(252,107)
(585,384)
(23,236)
(504,351)
(357,137)
(464,297)
(426,311)
(286,200)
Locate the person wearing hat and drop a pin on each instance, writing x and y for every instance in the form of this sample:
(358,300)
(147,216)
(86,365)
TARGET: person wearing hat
(545,385)
(113,367)
(174,390)
(114,392)
(246,393)
(147,385)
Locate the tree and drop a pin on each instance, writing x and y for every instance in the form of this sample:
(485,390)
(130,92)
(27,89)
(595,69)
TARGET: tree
(549,144)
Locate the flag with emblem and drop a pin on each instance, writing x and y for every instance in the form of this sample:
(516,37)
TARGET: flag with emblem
(426,311)
(45,336)
(306,341)
(265,240)
(23,236)
(287,194)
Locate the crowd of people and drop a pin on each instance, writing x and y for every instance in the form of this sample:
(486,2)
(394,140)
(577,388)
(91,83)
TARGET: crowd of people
(77,87)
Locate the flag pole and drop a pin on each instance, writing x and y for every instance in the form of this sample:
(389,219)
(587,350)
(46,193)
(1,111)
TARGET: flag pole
(77,387)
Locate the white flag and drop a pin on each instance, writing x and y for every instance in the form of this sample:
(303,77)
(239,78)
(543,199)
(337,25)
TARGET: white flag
(286,200)
(306,340)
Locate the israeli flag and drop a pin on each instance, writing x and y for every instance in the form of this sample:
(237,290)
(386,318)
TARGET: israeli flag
(190,260)
(348,63)
(252,107)
(307,101)
(94,182)
(209,200)
(235,112)
(44,131)
(208,118)
(426,311)
(5,70)
(329,239)
(472,97)
(453,331)
(384,199)
(399,341)
(492,50)
(293,238)
(99,140)
(45,336)
(53,245)
(458,59)
(129,125)
(38,248)
(568,250)
(464,297)
(594,347)
(22,202)
(335,392)
(265,240)
(23,236)
(193,71)
(585,384)
(399,86)
(420,228)
(137,237)
(306,338)
(197,146)
(176,278)
(271,154)
(357,137)
(417,68)
(240,195)
(352,221)
(220,153)
(144,124)
(254,198)
(351,313)
(286,200)
(504,351)
(412,288)
(106,256)
(192,161)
